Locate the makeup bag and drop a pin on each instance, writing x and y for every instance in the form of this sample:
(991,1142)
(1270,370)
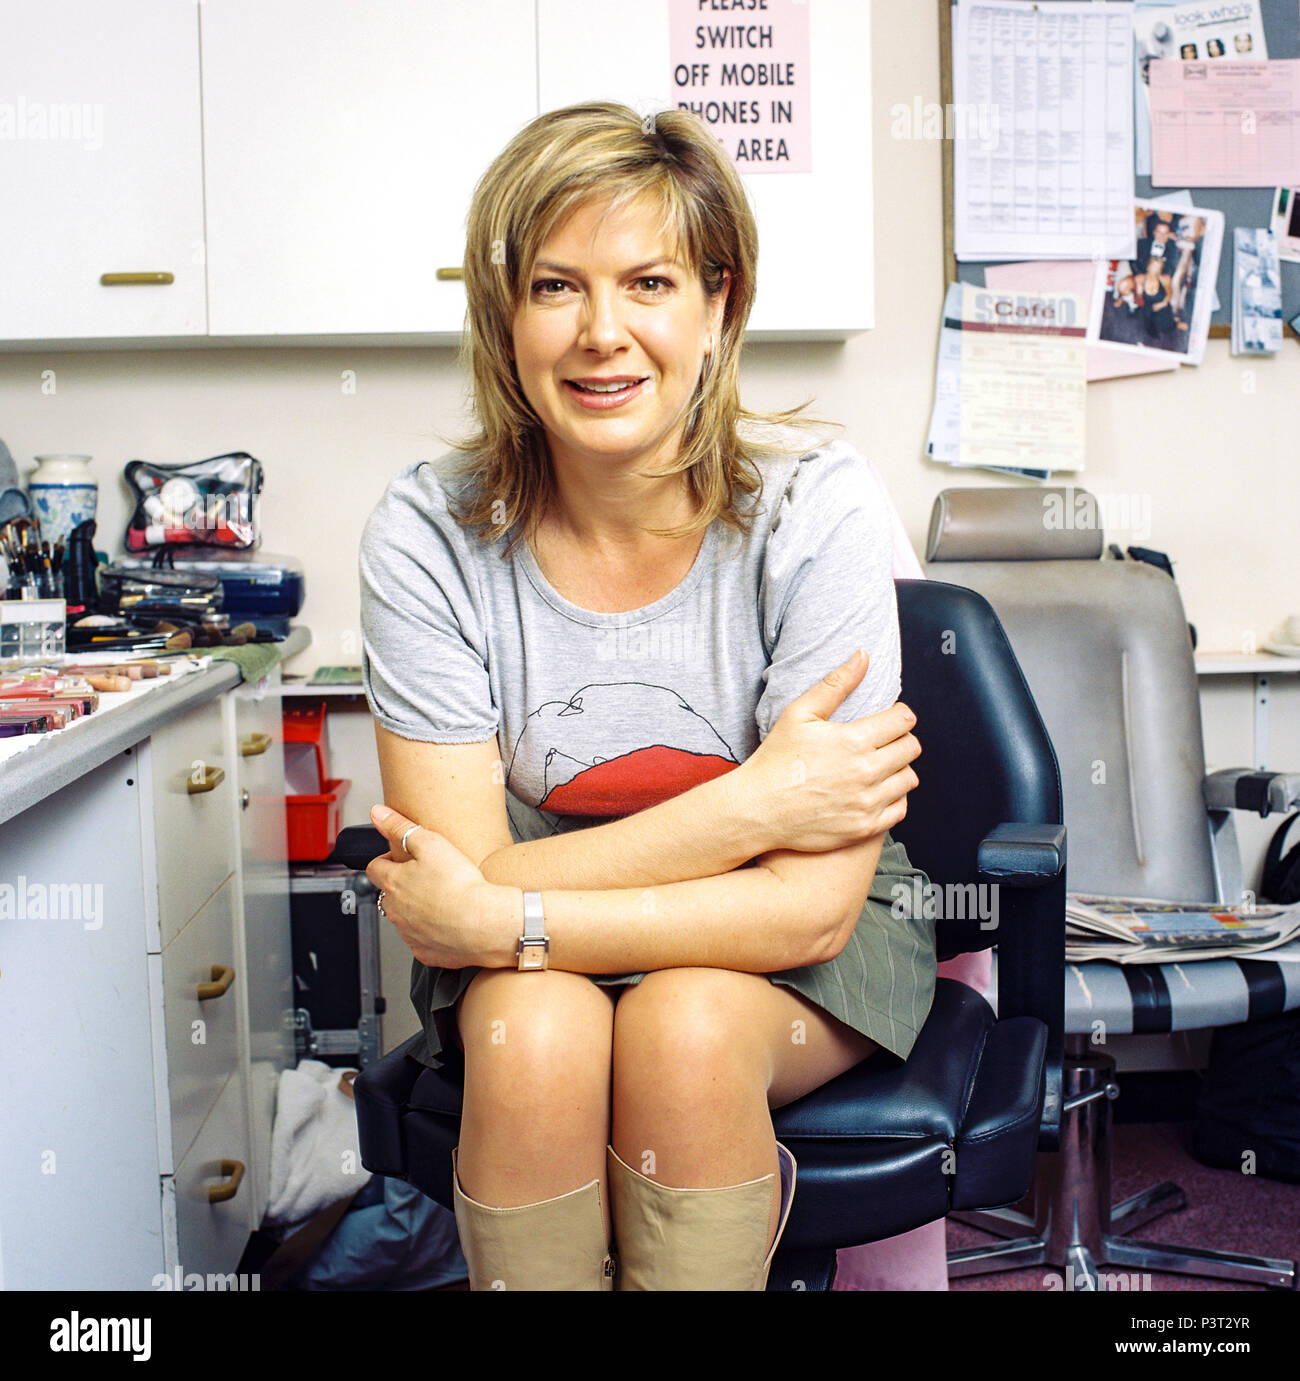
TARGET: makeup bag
(206,503)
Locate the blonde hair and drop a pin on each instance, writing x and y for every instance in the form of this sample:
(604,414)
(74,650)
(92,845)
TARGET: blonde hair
(560,162)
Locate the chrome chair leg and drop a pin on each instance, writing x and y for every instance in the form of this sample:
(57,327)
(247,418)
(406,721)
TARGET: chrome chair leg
(1000,1222)
(1201,1261)
(1005,1256)
(1074,1227)
(1140,1208)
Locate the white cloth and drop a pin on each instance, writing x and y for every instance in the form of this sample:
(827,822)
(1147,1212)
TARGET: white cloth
(315,1152)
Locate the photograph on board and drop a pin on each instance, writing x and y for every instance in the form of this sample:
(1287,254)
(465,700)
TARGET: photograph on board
(1163,298)
(1286,223)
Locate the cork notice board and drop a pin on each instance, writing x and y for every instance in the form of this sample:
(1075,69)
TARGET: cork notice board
(1242,206)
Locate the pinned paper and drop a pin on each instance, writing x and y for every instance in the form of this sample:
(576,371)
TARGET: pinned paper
(1235,124)
(1010,390)
(746,73)
(1256,292)
(1057,182)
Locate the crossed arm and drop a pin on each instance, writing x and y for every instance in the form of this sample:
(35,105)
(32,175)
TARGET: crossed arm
(695,881)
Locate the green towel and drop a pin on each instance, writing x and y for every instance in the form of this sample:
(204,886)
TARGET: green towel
(254,660)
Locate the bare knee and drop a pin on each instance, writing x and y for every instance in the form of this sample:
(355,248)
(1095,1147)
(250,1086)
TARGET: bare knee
(528,1036)
(688,1033)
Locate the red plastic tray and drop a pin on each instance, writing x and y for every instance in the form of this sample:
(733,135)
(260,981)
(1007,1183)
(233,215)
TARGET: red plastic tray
(314,821)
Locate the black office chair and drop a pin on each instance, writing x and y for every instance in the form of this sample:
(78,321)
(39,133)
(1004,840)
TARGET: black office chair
(887,1146)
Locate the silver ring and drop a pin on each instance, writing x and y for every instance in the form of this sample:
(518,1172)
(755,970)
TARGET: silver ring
(379,902)
(410,831)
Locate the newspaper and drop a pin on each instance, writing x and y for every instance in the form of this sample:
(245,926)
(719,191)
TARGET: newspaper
(1142,930)
(1256,292)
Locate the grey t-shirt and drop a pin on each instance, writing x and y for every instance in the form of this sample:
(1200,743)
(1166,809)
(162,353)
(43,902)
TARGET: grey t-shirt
(598,715)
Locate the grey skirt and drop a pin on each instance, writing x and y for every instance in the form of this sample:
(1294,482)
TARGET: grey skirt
(881,983)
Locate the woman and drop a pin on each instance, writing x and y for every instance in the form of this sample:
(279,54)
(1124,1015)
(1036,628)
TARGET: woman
(601,654)
(1158,305)
(1126,305)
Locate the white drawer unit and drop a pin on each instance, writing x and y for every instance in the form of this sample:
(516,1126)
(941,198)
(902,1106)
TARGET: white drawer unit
(192,779)
(145,1004)
(211,1188)
(201,1015)
(266,990)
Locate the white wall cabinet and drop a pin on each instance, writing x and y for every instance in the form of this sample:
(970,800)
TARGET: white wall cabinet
(342,143)
(304,167)
(129,1097)
(101,165)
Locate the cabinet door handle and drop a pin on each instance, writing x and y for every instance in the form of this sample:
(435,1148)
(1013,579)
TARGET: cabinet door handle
(443,275)
(222,977)
(115,280)
(233,1170)
(254,745)
(212,777)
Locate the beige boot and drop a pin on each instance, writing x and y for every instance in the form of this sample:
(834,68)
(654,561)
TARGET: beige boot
(557,1244)
(695,1239)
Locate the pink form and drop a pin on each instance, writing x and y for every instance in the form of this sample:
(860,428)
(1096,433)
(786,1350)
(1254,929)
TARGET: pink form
(1235,125)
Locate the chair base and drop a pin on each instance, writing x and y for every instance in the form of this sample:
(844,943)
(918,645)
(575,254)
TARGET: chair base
(1075,1229)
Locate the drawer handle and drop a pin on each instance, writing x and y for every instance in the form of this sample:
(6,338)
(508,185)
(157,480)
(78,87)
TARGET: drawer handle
(254,745)
(450,275)
(212,777)
(233,1170)
(222,977)
(115,280)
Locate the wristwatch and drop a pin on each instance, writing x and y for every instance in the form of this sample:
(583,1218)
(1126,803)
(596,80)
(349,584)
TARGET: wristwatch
(534,943)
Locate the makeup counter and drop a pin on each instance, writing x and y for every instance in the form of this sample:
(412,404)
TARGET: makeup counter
(145,977)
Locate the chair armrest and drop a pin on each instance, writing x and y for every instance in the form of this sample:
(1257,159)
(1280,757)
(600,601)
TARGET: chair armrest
(1029,861)
(358,846)
(1242,788)
(1020,855)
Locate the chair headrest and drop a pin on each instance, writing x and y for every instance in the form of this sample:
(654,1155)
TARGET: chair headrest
(1015,524)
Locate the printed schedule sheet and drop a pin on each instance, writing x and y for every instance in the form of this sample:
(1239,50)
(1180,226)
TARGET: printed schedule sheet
(1055,179)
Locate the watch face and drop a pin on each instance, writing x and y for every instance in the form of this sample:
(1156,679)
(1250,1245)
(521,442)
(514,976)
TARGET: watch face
(532,954)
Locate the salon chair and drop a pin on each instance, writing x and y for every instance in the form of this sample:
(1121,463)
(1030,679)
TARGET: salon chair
(1106,649)
(889,1145)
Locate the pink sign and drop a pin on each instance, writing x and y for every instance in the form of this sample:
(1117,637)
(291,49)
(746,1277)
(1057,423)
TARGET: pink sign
(742,66)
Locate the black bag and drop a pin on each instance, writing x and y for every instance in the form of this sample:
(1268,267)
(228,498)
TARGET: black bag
(1281,879)
(1250,1097)
(1248,1114)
